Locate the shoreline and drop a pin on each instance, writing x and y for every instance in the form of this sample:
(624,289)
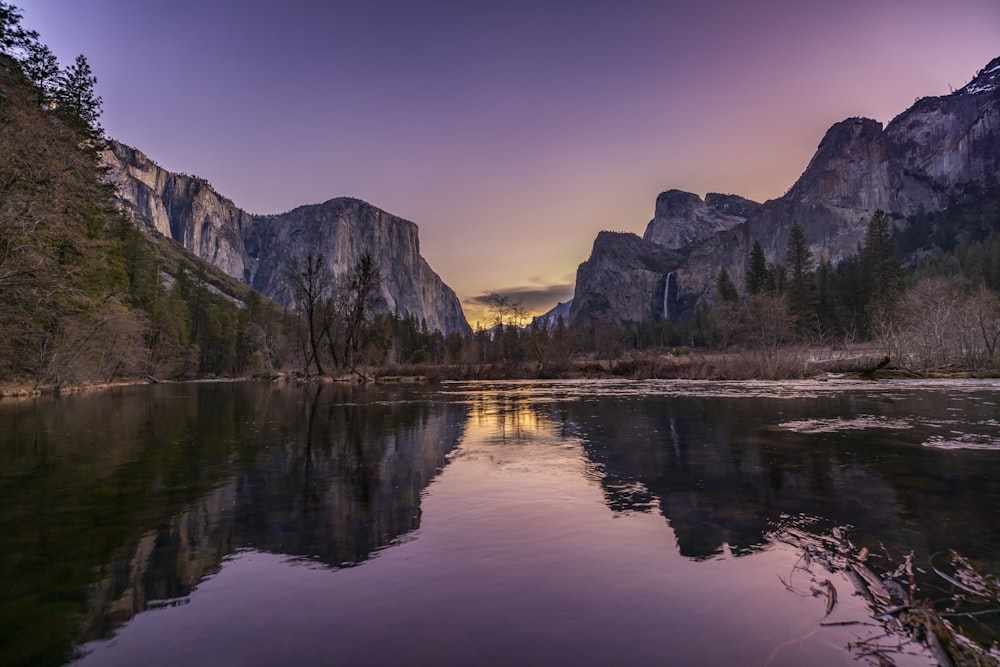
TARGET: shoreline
(707,367)
(25,390)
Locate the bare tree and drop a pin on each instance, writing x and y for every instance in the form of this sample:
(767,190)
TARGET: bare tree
(310,288)
(986,315)
(607,339)
(940,322)
(769,326)
(501,308)
(726,322)
(541,345)
(508,316)
(364,284)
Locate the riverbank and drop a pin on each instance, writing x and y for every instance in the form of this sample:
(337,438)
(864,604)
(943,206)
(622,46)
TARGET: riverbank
(28,390)
(789,363)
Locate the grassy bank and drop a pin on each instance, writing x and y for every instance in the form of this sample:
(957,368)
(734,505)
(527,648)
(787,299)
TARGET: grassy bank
(786,363)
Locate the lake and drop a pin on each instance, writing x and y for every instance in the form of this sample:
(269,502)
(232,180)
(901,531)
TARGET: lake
(528,523)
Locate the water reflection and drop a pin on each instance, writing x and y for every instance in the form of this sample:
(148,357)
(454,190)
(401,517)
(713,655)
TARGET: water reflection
(155,486)
(556,494)
(722,471)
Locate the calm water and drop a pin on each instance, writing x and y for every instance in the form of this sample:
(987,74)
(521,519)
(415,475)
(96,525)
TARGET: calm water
(585,523)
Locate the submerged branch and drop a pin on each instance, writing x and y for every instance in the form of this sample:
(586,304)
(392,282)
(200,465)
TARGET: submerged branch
(891,596)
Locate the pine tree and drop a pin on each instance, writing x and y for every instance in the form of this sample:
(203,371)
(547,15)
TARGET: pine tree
(880,268)
(725,289)
(826,288)
(76,98)
(798,256)
(757,271)
(800,287)
(775,278)
(39,64)
(13,37)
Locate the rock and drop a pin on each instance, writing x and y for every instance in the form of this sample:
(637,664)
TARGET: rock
(624,280)
(626,277)
(550,320)
(259,250)
(343,230)
(731,204)
(682,218)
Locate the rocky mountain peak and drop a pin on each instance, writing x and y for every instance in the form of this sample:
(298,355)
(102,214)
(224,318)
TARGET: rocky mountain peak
(986,81)
(731,204)
(848,169)
(624,279)
(682,218)
(677,203)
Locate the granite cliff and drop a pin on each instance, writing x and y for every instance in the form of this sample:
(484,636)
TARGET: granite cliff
(631,279)
(259,249)
(916,163)
(624,279)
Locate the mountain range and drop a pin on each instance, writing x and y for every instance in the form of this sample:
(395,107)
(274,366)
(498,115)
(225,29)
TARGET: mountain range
(918,163)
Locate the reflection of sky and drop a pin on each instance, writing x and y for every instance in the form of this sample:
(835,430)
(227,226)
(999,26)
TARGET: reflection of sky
(509,416)
(510,132)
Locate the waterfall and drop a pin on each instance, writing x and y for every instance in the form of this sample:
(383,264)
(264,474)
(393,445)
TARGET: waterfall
(669,294)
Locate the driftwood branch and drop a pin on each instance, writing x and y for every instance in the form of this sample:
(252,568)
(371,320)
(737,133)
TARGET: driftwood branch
(892,595)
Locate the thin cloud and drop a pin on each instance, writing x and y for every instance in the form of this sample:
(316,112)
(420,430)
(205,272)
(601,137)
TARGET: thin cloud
(534,299)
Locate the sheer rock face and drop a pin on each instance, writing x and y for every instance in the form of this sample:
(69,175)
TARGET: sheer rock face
(914,163)
(682,219)
(623,280)
(343,230)
(260,250)
(180,207)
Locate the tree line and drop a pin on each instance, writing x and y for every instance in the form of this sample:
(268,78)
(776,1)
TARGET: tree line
(944,311)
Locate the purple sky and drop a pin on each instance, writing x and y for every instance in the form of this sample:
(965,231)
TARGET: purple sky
(510,132)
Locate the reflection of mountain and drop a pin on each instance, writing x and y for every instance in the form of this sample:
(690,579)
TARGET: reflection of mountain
(349,483)
(325,472)
(721,473)
(333,482)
